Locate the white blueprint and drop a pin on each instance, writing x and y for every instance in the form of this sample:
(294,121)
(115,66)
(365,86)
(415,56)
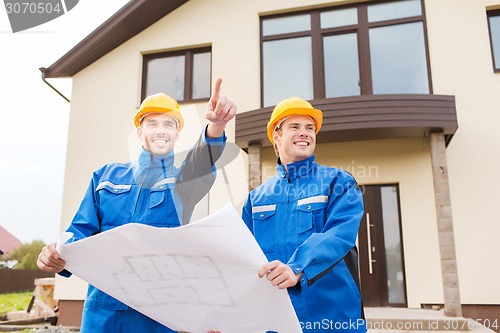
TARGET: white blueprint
(194,278)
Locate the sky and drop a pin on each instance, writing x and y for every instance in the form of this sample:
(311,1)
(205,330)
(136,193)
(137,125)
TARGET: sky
(34,119)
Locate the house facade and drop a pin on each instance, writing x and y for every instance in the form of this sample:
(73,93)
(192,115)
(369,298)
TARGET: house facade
(410,92)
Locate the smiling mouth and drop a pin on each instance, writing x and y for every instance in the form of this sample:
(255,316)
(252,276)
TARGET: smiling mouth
(161,141)
(302,143)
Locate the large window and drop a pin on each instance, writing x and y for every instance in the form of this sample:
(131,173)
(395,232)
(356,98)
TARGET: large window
(184,75)
(287,62)
(376,48)
(494,24)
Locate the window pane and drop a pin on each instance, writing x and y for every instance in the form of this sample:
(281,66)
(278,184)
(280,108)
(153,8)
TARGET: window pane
(166,75)
(394,10)
(287,69)
(339,18)
(392,240)
(495,39)
(341,65)
(398,59)
(201,75)
(283,25)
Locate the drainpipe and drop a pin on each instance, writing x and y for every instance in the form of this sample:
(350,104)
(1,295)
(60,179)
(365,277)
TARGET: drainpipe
(43,69)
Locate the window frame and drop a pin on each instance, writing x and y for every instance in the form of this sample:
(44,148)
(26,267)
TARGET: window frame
(489,14)
(361,29)
(188,71)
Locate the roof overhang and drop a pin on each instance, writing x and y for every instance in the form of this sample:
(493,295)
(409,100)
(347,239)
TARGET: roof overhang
(134,17)
(366,117)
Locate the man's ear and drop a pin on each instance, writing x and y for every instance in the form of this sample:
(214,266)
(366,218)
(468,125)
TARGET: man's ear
(276,136)
(139,131)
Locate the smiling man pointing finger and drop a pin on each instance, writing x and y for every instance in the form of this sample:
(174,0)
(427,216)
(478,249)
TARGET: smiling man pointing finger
(150,191)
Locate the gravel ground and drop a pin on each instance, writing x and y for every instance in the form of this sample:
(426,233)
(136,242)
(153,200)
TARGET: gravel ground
(55,329)
(41,329)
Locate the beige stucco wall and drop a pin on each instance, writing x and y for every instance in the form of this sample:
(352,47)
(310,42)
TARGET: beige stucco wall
(107,93)
(461,65)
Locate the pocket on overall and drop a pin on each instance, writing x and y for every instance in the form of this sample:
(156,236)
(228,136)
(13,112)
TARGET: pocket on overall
(159,191)
(113,202)
(311,216)
(165,210)
(264,227)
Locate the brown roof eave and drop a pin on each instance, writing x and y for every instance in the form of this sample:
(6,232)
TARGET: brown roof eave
(133,18)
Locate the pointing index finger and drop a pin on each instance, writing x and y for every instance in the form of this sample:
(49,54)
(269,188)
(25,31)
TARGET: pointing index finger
(216,92)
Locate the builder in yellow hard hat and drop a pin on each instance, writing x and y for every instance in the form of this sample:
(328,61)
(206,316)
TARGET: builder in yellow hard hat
(150,191)
(286,109)
(306,220)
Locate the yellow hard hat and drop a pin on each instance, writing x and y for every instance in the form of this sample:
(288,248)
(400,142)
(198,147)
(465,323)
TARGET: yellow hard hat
(293,106)
(159,103)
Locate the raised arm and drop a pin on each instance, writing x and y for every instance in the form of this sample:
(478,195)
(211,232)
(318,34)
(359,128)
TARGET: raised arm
(220,111)
(198,170)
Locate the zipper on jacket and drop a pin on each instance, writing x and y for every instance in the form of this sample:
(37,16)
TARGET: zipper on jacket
(142,184)
(286,225)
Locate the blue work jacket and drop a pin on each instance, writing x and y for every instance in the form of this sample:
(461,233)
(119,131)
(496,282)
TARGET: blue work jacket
(308,218)
(151,191)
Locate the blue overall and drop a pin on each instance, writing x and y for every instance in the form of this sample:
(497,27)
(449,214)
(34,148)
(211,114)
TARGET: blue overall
(151,191)
(309,219)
